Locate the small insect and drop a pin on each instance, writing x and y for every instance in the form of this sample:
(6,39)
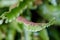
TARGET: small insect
(38,2)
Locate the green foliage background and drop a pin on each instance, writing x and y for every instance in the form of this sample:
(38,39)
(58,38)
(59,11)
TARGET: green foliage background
(29,19)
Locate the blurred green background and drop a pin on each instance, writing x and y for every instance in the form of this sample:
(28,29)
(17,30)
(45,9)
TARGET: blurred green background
(29,19)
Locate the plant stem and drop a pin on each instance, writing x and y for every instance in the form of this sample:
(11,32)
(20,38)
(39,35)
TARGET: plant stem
(27,35)
(44,35)
(0,35)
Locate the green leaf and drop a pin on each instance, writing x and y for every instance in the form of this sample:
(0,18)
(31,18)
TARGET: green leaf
(16,11)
